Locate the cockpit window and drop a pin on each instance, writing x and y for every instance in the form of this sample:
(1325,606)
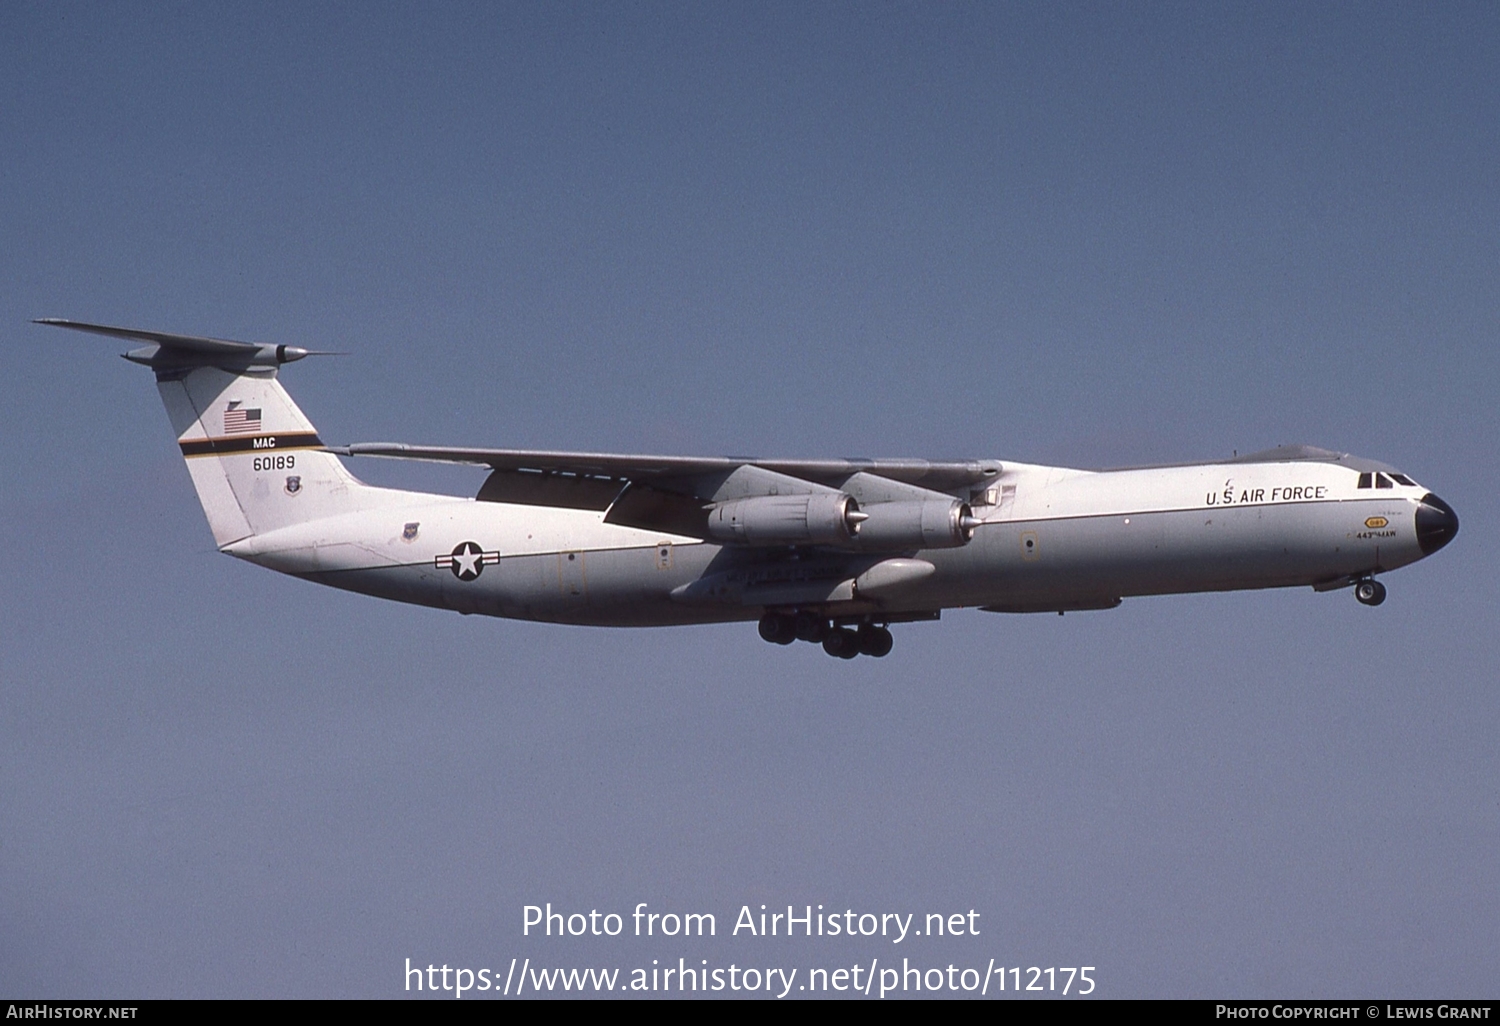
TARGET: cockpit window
(1402,479)
(1381,481)
(1364,480)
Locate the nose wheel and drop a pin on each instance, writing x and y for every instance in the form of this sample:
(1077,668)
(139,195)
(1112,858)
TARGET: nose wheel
(1369,592)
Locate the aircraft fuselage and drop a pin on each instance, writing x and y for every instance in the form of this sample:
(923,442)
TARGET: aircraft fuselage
(1050,539)
(809,547)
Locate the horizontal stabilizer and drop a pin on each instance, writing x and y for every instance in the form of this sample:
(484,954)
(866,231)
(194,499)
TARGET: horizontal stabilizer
(164,350)
(191,343)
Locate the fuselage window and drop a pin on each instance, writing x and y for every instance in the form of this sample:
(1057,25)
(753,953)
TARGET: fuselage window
(1364,480)
(1402,479)
(1381,481)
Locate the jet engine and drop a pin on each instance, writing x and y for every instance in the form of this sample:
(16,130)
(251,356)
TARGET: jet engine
(824,518)
(924,524)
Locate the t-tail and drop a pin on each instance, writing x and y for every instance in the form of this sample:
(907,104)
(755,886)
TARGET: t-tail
(255,459)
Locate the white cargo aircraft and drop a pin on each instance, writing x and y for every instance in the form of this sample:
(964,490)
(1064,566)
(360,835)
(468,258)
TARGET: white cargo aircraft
(830,551)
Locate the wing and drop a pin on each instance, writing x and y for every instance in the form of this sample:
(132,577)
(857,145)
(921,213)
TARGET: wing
(673,493)
(935,475)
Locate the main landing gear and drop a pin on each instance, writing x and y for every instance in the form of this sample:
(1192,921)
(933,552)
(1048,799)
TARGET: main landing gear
(844,642)
(1369,591)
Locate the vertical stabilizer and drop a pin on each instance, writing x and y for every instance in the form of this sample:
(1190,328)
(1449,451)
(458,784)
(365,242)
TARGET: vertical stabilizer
(254,457)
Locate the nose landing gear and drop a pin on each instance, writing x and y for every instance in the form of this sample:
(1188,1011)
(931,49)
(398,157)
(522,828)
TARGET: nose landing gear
(845,643)
(1369,592)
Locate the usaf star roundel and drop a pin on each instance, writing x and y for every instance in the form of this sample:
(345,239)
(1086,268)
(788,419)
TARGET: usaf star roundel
(467,561)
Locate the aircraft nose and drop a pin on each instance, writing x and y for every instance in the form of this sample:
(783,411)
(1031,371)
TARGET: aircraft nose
(1436,524)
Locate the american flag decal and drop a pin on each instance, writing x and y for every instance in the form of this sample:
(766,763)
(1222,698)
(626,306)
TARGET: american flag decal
(240,421)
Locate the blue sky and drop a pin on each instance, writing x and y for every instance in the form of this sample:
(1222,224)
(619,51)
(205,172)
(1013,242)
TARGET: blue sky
(1080,234)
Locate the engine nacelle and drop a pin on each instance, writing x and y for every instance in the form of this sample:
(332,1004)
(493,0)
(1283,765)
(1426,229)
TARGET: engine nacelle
(825,518)
(922,524)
